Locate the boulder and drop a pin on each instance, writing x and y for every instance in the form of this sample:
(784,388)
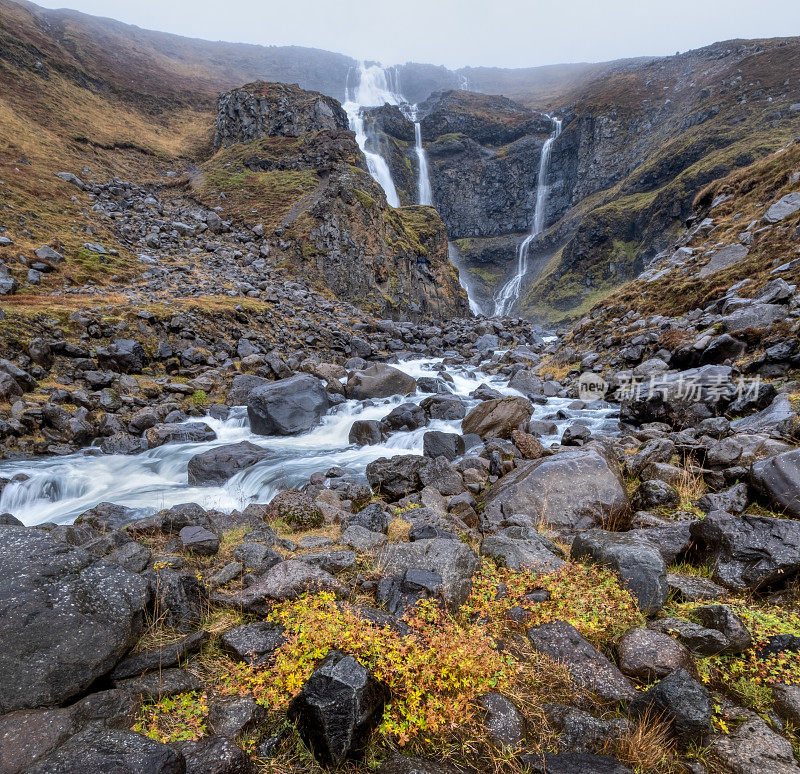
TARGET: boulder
(523,548)
(444,406)
(215,466)
(497,418)
(296,509)
(571,491)
(435,443)
(406,764)
(379,380)
(154,686)
(66,619)
(242,386)
(682,701)
(287,580)
(636,561)
(749,552)
(365,432)
(573,763)
(649,655)
(233,716)
(254,643)
(180,597)
(186,432)
(338,708)
(215,755)
(504,723)
(753,748)
(199,540)
(396,477)
(159,658)
(698,639)
(287,406)
(778,479)
(111,750)
(723,619)
(753,316)
(588,668)
(453,560)
(783,208)
(407,416)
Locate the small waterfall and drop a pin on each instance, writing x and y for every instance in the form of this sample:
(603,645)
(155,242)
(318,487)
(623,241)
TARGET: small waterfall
(373,90)
(424,193)
(464,278)
(509,293)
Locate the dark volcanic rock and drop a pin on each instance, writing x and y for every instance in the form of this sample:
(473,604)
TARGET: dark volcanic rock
(189,432)
(749,552)
(778,479)
(573,763)
(215,755)
(589,668)
(379,380)
(337,708)
(216,466)
(396,477)
(122,355)
(638,563)
(288,406)
(497,418)
(65,618)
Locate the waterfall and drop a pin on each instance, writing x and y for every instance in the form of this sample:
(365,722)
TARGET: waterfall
(509,293)
(424,194)
(373,90)
(464,278)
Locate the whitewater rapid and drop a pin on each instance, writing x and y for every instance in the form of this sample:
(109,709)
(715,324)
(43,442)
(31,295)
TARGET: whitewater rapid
(58,489)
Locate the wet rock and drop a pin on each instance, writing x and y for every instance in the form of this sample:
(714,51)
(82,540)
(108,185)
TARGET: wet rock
(125,752)
(407,416)
(698,639)
(435,443)
(215,466)
(256,557)
(649,655)
(254,643)
(296,509)
(232,717)
(337,708)
(106,517)
(396,477)
(445,406)
(786,700)
(497,418)
(287,580)
(330,561)
(637,562)
(588,668)
(405,764)
(154,686)
(570,491)
(573,763)
(159,658)
(189,432)
(215,755)
(778,479)
(199,540)
(755,747)
(374,517)
(504,723)
(723,619)
(582,732)
(288,406)
(732,500)
(683,701)
(522,548)
(749,552)
(242,386)
(365,432)
(454,561)
(379,380)
(180,598)
(66,618)
(693,588)
(362,540)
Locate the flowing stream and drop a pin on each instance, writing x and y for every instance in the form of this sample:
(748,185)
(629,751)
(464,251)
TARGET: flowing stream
(509,293)
(57,489)
(424,193)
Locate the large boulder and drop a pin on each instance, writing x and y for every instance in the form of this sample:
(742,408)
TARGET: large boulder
(682,701)
(778,479)
(453,560)
(288,406)
(748,552)
(755,748)
(650,655)
(215,466)
(497,418)
(682,399)
(519,548)
(337,708)
(588,668)
(635,560)
(570,491)
(379,380)
(186,432)
(66,619)
(242,386)
(396,477)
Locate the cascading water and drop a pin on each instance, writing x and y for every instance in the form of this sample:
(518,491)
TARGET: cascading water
(464,278)
(373,90)
(58,489)
(509,293)
(424,193)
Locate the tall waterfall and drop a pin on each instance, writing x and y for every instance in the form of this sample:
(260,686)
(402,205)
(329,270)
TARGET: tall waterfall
(376,87)
(509,293)
(464,278)
(424,194)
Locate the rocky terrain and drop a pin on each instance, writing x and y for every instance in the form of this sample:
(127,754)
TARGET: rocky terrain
(272,500)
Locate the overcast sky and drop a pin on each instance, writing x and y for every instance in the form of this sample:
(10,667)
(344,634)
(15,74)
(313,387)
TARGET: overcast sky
(507,33)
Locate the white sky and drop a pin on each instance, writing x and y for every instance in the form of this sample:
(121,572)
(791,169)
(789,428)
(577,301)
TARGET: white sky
(506,33)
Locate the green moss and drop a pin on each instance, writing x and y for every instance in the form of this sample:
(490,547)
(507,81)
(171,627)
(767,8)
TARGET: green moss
(366,200)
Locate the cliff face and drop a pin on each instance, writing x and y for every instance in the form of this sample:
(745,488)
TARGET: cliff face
(301,174)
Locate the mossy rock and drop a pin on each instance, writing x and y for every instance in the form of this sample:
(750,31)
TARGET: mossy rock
(295,509)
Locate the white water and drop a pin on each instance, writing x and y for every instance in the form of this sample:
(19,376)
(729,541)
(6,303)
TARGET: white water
(509,293)
(373,90)
(464,278)
(424,193)
(60,488)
